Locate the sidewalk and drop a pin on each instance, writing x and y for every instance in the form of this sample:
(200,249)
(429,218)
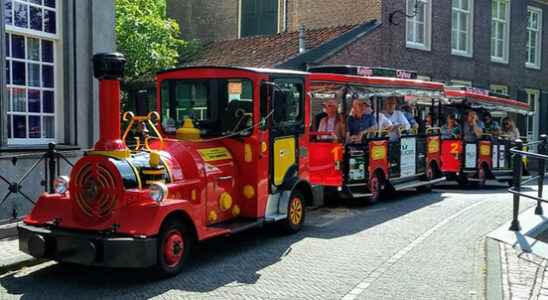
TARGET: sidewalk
(524,275)
(11,257)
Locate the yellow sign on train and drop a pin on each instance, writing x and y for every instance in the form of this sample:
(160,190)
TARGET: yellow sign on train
(485,150)
(378,152)
(434,146)
(214,154)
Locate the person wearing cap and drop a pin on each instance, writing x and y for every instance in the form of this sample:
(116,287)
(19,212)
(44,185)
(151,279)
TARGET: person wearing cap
(332,123)
(360,121)
(396,117)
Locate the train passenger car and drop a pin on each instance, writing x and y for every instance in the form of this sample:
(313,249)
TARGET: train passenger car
(467,158)
(380,161)
(227,152)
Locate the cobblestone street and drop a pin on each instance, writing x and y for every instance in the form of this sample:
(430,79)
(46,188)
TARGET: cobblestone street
(416,246)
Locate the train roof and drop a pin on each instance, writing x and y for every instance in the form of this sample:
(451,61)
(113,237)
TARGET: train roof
(478,98)
(248,69)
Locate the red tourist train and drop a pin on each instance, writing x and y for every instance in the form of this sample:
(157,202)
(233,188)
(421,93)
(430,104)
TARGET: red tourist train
(487,156)
(229,149)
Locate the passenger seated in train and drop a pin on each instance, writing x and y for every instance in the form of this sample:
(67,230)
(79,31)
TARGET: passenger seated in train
(408,112)
(509,130)
(451,129)
(360,122)
(490,126)
(396,117)
(472,129)
(332,123)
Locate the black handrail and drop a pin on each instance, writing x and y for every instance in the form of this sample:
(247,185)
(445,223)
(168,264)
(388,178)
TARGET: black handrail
(51,160)
(517,155)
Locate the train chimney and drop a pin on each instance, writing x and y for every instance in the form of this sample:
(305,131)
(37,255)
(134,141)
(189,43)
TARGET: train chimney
(108,68)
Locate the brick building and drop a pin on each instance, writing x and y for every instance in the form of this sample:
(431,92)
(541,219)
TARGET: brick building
(492,44)
(47,94)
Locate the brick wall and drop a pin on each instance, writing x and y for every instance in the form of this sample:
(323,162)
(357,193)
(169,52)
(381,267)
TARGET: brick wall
(324,13)
(206,20)
(218,19)
(387,48)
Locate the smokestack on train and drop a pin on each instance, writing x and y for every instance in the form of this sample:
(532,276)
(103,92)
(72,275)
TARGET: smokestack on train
(109,70)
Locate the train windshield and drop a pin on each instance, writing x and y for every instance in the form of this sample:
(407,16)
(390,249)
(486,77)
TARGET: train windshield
(216,106)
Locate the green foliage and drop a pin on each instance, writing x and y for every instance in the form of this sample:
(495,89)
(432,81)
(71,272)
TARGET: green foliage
(147,37)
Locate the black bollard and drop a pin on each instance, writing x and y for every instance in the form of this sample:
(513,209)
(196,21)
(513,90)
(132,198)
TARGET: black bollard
(517,170)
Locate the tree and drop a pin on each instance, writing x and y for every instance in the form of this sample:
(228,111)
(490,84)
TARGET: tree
(147,37)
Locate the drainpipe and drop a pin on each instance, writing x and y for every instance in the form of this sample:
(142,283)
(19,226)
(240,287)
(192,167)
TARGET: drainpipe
(302,47)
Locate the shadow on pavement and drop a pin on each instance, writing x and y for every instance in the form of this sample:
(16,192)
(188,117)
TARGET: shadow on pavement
(222,262)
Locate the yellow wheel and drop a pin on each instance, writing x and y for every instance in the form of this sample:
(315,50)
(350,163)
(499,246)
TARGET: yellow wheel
(295,213)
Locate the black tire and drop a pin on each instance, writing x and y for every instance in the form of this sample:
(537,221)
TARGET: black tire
(171,235)
(462,180)
(294,220)
(375,189)
(482,177)
(430,174)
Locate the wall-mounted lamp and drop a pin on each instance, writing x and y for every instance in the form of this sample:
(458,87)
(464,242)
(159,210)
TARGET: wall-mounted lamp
(392,15)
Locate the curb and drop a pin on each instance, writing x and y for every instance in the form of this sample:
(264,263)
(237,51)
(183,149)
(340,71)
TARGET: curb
(20,263)
(493,281)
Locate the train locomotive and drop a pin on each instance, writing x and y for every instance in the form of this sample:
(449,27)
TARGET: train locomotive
(146,206)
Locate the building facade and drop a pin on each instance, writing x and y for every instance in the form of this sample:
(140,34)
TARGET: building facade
(492,44)
(48,91)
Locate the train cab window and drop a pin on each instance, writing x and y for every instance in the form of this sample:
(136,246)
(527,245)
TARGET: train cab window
(288,103)
(216,106)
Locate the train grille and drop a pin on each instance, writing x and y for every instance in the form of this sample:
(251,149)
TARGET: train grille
(95,189)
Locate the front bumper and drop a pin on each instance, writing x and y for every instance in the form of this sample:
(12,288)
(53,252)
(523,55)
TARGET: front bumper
(87,248)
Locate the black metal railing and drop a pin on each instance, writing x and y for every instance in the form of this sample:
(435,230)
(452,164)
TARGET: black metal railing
(517,156)
(51,161)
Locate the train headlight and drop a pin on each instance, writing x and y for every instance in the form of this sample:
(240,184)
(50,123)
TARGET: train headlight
(61,184)
(157,192)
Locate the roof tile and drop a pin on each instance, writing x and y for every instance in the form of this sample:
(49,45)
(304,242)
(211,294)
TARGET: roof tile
(263,51)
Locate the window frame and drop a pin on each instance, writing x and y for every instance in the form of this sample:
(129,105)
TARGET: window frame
(58,80)
(506,34)
(427,45)
(496,87)
(469,52)
(461,82)
(280,17)
(538,47)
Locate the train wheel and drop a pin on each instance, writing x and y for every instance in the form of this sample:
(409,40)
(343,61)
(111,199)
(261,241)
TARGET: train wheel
(174,244)
(462,180)
(428,176)
(482,177)
(375,187)
(295,213)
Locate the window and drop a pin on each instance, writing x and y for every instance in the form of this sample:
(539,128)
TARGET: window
(288,103)
(533,121)
(534,37)
(499,89)
(500,33)
(465,83)
(217,106)
(31,67)
(418,28)
(258,17)
(462,27)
